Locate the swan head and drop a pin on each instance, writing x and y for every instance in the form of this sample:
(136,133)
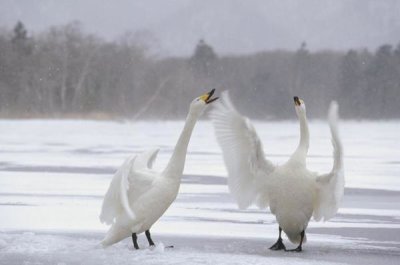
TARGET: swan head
(300,106)
(199,104)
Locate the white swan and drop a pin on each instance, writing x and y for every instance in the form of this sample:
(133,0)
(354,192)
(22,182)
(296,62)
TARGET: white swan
(138,196)
(292,192)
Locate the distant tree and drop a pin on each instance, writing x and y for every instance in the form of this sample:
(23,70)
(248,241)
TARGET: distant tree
(351,82)
(72,53)
(65,70)
(5,73)
(20,40)
(301,63)
(382,83)
(19,69)
(396,92)
(204,58)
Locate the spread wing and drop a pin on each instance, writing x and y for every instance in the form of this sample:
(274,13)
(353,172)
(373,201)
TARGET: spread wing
(331,185)
(129,182)
(146,159)
(242,151)
(113,204)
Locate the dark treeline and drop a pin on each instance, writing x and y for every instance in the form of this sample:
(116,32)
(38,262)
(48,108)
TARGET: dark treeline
(65,72)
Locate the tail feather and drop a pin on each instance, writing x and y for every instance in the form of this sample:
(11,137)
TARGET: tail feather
(295,238)
(114,235)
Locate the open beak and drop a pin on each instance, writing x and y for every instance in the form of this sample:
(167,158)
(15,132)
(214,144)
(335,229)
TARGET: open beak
(207,97)
(297,101)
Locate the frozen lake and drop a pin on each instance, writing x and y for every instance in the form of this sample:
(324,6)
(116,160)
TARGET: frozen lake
(53,175)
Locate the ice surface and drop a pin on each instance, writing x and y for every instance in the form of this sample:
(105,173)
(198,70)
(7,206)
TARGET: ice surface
(53,175)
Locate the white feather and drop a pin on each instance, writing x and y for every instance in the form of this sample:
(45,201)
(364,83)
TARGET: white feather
(291,191)
(126,172)
(116,199)
(146,159)
(139,201)
(112,205)
(331,185)
(242,150)
(138,196)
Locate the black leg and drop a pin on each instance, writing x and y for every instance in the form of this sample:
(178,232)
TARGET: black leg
(279,244)
(299,248)
(134,240)
(151,243)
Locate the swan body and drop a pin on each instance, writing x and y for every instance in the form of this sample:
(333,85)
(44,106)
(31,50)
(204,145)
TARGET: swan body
(292,192)
(293,207)
(138,195)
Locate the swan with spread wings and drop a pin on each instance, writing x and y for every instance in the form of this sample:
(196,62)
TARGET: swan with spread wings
(292,192)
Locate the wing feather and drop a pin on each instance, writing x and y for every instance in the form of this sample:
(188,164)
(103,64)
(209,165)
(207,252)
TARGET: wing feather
(331,185)
(130,181)
(242,151)
(125,174)
(146,159)
(113,203)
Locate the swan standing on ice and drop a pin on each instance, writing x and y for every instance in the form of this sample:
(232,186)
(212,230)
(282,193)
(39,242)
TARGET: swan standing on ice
(138,196)
(292,192)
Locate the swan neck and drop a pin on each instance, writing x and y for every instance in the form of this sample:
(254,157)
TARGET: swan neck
(302,149)
(304,133)
(176,163)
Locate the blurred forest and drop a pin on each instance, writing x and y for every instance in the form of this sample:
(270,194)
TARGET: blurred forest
(65,72)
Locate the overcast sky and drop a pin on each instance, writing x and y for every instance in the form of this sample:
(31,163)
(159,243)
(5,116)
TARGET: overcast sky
(230,26)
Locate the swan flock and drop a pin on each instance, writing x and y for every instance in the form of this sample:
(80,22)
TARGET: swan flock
(138,195)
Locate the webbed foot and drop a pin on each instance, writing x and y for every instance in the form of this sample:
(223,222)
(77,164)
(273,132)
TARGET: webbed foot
(278,245)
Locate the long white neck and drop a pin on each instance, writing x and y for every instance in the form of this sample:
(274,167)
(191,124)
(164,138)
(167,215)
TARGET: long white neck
(176,163)
(302,149)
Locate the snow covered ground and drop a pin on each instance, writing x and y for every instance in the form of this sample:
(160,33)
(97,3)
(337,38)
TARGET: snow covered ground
(53,175)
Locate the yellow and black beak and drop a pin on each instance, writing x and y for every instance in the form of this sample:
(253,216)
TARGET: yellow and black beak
(297,101)
(207,97)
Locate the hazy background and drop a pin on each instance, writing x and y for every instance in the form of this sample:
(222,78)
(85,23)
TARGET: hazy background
(230,26)
(144,59)
(139,62)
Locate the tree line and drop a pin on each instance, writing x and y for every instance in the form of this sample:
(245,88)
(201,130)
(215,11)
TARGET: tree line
(65,72)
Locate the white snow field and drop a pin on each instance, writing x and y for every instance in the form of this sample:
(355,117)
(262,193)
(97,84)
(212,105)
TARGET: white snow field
(54,173)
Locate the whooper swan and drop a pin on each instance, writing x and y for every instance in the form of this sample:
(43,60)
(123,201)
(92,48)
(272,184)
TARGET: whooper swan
(292,192)
(138,195)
